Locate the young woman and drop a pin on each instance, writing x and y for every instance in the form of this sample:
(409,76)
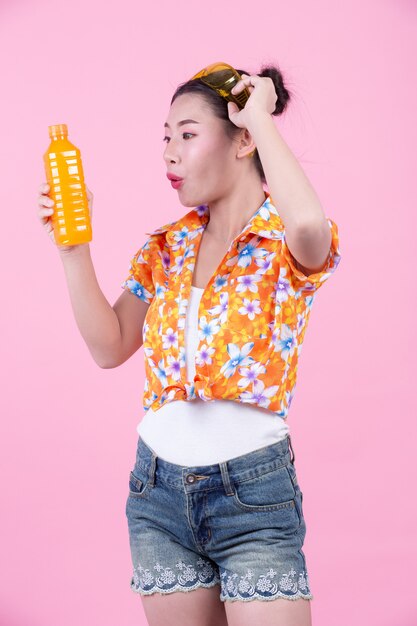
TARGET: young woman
(220,300)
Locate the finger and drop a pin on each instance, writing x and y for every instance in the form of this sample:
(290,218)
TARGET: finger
(249,80)
(45,210)
(237,89)
(44,215)
(241,84)
(45,201)
(245,79)
(44,188)
(233,108)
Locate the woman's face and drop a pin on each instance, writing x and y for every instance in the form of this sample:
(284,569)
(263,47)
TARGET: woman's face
(198,151)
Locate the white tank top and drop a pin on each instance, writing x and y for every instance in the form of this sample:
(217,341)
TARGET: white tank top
(203,433)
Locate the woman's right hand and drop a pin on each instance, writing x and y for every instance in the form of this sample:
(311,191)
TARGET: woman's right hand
(46,210)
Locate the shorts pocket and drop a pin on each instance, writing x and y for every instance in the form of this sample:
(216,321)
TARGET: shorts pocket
(138,482)
(269,492)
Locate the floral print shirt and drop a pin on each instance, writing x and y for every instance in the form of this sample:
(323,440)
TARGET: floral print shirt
(253,313)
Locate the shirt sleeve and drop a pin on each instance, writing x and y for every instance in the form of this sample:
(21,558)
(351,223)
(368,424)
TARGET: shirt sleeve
(139,281)
(312,282)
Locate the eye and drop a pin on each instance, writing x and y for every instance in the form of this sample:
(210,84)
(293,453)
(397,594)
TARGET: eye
(167,138)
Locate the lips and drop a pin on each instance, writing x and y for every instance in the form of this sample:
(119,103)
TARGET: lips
(173,177)
(176,184)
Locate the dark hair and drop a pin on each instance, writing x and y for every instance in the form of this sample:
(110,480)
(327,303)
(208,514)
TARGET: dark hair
(218,104)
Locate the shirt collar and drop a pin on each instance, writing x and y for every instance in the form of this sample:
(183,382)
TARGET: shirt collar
(265,222)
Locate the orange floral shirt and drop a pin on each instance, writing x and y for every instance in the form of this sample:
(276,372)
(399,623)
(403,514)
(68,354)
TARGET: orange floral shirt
(252,315)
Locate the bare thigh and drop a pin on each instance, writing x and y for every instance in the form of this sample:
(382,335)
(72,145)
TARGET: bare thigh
(199,607)
(278,612)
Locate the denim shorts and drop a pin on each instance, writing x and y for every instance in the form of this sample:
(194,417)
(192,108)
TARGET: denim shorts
(238,524)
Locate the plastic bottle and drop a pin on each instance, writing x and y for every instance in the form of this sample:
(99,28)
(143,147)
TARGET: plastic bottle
(65,175)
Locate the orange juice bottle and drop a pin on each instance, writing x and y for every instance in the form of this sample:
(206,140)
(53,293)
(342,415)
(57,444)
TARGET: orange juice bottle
(65,176)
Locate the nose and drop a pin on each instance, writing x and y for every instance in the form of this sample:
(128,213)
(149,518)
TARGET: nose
(170,153)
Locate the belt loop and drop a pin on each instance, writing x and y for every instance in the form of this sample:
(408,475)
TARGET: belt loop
(152,470)
(226,479)
(291,448)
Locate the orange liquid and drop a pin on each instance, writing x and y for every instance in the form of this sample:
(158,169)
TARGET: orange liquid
(65,176)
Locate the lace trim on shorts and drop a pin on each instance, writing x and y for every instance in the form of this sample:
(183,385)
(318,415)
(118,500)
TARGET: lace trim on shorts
(167,581)
(243,588)
(234,587)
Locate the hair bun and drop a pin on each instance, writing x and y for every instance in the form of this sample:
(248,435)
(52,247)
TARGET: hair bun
(283,94)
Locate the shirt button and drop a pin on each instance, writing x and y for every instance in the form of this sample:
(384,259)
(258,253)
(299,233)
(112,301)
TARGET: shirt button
(190,478)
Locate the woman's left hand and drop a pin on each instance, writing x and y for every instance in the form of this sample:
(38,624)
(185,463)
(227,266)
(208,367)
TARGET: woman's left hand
(262,99)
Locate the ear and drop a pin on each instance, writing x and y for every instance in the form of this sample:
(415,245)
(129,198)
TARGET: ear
(246,144)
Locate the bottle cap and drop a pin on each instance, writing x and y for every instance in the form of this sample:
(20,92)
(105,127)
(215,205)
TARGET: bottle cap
(58,130)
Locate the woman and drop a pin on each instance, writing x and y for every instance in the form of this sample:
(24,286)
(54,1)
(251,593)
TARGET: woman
(223,296)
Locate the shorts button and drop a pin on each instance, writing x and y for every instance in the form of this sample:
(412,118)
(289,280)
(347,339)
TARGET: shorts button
(190,478)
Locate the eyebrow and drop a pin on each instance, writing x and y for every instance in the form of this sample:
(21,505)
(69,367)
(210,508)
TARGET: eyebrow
(166,125)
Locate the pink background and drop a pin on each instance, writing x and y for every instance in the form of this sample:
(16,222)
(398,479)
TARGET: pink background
(68,428)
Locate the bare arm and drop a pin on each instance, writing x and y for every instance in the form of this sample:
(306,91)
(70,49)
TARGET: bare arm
(112,334)
(307,230)
(131,312)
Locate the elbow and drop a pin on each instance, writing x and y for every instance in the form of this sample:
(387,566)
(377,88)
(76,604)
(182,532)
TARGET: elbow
(106,362)
(107,365)
(107,359)
(103,365)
